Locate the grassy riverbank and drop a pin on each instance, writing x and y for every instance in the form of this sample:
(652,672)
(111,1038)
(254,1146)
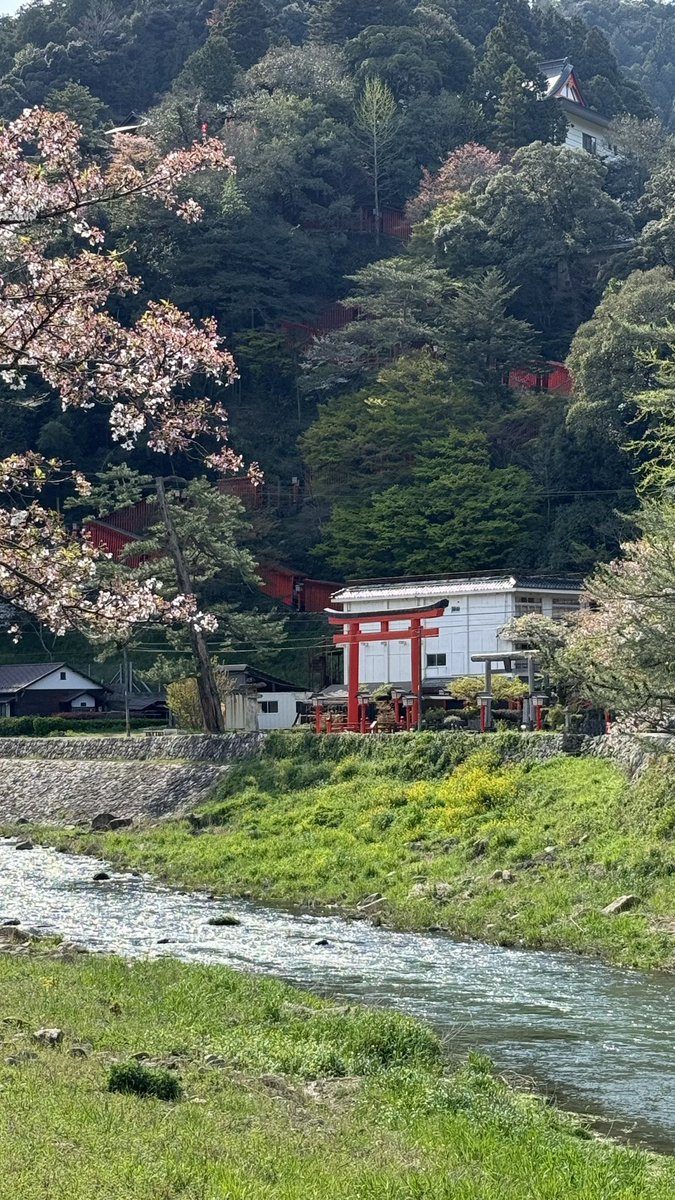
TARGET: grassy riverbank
(301,1101)
(520,854)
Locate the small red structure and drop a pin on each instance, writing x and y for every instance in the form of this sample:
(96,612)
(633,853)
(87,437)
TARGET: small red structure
(550,377)
(354,636)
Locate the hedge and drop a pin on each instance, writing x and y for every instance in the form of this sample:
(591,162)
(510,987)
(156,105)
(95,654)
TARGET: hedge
(49,726)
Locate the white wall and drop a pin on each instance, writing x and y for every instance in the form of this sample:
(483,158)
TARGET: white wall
(83,702)
(287,711)
(577,127)
(53,680)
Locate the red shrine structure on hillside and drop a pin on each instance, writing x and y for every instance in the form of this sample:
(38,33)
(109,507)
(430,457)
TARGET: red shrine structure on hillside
(379,629)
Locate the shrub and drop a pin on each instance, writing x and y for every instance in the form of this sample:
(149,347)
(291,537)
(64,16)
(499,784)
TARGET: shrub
(434,718)
(183,700)
(135,1079)
(477,785)
(50,726)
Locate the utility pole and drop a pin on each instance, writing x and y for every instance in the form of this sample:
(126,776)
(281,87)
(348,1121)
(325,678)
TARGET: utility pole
(209,697)
(127,689)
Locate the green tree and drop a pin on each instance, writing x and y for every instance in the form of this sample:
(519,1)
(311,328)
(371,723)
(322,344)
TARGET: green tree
(339,20)
(377,120)
(368,440)
(457,513)
(479,337)
(613,355)
(522,116)
(399,301)
(546,222)
(243,25)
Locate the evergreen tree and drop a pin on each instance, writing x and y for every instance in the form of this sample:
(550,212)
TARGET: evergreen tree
(523,116)
(340,20)
(243,24)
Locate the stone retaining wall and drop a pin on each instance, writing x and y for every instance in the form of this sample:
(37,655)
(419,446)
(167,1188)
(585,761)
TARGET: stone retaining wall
(65,780)
(191,747)
(633,752)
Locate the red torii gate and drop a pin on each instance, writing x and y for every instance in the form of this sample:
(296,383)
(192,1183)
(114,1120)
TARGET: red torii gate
(354,637)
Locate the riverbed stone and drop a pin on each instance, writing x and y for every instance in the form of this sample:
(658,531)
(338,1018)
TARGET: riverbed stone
(621,904)
(225,920)
(101,877)
(81,1050)
(102,822)
(14,934)
(24,845)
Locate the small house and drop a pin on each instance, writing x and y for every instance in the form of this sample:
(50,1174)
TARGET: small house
(48,689)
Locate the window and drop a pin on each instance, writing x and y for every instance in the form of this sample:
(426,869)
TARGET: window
(83,704)
(527,604)
(63,675)
(562,607)
(436,660)
(589,143)
(269,706)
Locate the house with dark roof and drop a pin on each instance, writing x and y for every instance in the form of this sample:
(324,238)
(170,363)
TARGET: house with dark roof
(587,129)
(48,689)
(476,610)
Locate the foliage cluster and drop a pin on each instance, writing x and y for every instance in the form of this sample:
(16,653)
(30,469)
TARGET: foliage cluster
(52,726)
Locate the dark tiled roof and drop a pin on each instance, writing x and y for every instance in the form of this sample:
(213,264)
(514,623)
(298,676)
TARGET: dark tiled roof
(15,676)
(243,675)
(550,583)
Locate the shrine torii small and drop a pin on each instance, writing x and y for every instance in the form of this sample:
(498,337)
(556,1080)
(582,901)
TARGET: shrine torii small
(414,632)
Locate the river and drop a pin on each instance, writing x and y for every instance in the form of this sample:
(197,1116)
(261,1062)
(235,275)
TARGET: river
(598,1039)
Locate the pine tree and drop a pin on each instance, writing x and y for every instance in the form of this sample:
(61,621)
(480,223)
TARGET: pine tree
(244,24)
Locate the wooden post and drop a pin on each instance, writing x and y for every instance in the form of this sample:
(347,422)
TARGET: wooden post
(353,686)
(127,689)
(209,698)
(416,670)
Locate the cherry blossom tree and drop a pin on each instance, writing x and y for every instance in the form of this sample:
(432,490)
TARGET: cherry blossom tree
(460,170)
(56,325)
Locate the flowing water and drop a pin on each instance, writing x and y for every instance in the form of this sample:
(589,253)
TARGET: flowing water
(598,1039)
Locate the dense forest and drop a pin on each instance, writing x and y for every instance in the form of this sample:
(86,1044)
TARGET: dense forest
(404,229)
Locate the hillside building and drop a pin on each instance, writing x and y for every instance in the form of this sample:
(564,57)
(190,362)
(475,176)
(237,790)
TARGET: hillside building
(475,611)
(586,129)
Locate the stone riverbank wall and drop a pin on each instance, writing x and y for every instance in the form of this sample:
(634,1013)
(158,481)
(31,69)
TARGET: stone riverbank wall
(65,780)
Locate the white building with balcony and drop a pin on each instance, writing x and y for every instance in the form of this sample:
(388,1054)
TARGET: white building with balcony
(477,609)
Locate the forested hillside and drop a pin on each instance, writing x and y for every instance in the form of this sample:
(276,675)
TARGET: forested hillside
(641,34)
(396,156)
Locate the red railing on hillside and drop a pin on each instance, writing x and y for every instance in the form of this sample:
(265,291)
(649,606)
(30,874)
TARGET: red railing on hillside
(393,223)
(552,377)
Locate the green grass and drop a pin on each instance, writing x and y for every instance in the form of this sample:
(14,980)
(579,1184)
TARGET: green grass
(302,1102)
(426,821)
